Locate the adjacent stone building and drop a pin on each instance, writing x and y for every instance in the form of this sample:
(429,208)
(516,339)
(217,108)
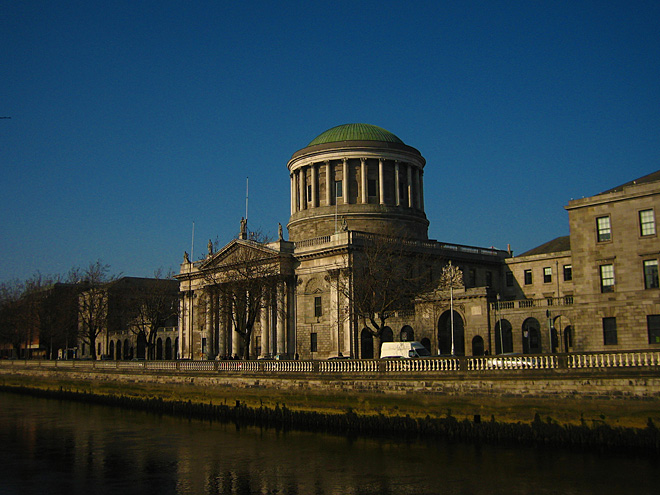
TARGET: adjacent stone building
(358,185)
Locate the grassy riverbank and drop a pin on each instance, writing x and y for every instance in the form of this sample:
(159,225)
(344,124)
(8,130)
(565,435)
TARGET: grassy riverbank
(576,411)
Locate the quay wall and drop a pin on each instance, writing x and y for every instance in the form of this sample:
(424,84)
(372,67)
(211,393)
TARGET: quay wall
(640,383)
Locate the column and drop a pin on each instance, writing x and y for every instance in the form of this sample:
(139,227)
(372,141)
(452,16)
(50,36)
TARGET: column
(381,181)
(345,181)
(315,182)
(293,194)
(265,328)
(329,184)
(208,324)
(421,189)
(222,331)
(301,188)
(182,323)
(397,191)
(410,189)
(235,338)
(363,180)
(281,315)
(418,203)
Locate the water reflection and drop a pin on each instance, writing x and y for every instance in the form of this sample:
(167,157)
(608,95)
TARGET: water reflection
(61,447)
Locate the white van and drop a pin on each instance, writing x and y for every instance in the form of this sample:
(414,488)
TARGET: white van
(390,350)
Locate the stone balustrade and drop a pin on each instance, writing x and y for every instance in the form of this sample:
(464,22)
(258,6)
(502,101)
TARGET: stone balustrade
(477,364)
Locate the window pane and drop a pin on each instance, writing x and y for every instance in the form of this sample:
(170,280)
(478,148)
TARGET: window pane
(607,278)
(647,222)
(609,331)
(547,275)
(604,230)
(338,189)
(528,277)
(568,273)
(318,309)
(651,274)
(653,323)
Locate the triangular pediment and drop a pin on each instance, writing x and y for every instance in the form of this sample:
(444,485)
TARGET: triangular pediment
(239,251)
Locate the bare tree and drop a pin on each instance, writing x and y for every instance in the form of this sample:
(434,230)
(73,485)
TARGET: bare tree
(244,276)
(93,303)
(11,329)
(153,305)
(384,274)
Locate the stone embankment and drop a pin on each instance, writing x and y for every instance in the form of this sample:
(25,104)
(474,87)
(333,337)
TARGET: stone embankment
(518,401)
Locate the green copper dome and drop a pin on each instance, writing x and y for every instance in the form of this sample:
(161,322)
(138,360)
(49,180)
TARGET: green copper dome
(355,132)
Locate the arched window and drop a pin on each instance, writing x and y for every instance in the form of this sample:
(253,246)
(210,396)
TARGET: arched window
(366,344)
(478,345)
(426,343)
(445,334)
(407,334)
(387,335)
(168,348)
(503,342)
(531,336)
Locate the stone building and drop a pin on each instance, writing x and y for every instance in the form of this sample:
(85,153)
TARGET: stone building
(357,185)
(132,317)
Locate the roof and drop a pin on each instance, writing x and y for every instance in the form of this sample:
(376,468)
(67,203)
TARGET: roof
(652,177)
(355,132)
(554,246)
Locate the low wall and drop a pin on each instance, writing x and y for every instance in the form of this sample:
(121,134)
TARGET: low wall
(623,383)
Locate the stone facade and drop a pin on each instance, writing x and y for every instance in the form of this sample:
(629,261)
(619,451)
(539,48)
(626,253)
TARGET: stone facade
(356,181)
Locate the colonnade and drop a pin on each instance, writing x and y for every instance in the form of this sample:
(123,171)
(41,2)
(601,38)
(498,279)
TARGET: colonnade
(205,314)
(406,179)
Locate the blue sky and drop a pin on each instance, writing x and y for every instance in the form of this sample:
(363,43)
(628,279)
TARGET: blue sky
(132,120)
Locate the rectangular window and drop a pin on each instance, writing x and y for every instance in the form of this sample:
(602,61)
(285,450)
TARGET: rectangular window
(338,189)
(309,192)
(528,277)
(568,273)
(547,275)
(651,274)
(313,342)
(609,331)
(372,186)
(318,308)
(203,345)
(607,278)
(647,222)
(604,229)
(653,325)
(509,279)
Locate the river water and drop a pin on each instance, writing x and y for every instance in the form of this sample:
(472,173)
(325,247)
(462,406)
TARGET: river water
(57,447)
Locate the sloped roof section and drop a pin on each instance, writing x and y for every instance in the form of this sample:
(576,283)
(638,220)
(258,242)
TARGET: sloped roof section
(652,177)
(554,246)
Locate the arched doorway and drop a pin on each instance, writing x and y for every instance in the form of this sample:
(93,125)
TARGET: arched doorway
(427,343)
(127,350)
(503,342)
(159,348)
(168,348)
(387,335)
(119,356)
(141,346)
(366,344)
(531,336)
(112,349)
(407,334)
(568,338)
(477,346)
(445,334)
